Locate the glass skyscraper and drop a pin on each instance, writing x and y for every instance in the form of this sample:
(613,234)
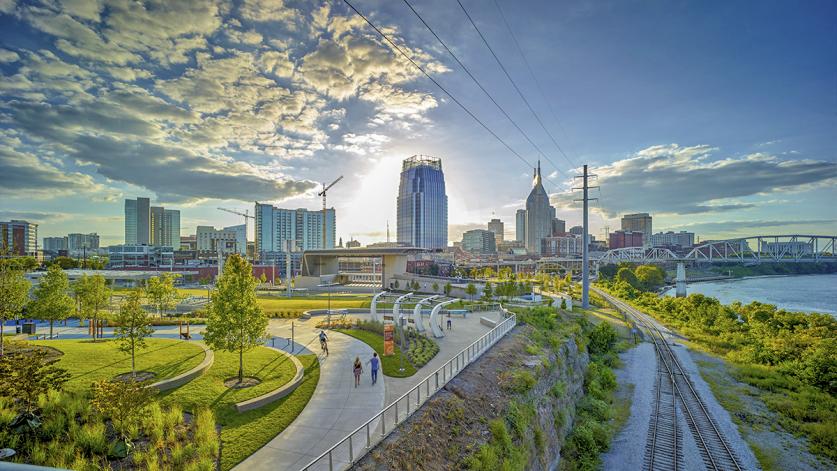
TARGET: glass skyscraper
(422,203)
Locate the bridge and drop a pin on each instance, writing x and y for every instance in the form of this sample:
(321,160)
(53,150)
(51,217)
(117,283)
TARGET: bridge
(749,250)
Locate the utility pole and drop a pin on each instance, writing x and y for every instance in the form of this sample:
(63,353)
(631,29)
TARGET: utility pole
(585,247)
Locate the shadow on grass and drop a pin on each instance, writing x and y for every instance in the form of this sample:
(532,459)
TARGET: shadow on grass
(162,370)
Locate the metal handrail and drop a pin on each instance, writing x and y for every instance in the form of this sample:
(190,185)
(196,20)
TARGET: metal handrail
(447,372)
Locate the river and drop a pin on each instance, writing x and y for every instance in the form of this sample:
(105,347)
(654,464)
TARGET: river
(817,293)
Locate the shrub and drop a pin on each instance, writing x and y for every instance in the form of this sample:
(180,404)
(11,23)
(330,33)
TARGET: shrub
(518,381)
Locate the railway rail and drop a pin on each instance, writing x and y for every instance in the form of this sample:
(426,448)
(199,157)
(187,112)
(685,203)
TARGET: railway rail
(664,447)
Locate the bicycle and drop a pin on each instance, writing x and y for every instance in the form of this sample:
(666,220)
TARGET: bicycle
(324,346)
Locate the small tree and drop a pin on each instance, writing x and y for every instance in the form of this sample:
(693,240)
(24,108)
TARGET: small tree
(396,284)
(487,292)
(161,292)
(134,327)
(263,278)
(14,294)
(435,287)
(448,288)
(124,402)
(236,321)
(94,295)
(52,303)
(24,376)
(563,303)
(471,290)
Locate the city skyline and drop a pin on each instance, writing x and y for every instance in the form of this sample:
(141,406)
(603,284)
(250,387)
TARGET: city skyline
(198,106)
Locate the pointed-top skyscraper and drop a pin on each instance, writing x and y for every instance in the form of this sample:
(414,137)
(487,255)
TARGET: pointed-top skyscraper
(539,214)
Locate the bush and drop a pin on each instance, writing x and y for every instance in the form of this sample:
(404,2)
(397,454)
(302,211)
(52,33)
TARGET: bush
(517,381)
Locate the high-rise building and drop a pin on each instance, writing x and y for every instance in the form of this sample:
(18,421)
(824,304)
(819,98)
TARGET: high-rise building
(559,227)
(577,230)
(171,228)
(566,246)
(680,239)
(639,222)
(520,225)
(479,241)
(422,203)
(82,241)
(18,238)
(497,227)
(304,228)
(623,239)
(539,214)
(138,221)
(209,240)
(55,244)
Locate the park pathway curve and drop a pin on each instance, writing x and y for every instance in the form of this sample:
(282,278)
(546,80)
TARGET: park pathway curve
(334,411)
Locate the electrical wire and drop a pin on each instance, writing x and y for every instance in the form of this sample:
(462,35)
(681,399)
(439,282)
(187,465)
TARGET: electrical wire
(443,89)
(514,84)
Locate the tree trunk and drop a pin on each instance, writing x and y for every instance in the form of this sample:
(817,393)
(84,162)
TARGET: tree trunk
(133,362)
(2,324)
(240,365)
(50,329)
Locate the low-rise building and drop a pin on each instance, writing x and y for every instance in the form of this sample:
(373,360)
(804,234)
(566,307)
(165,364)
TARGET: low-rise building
(19,238)
(623,239)
(566,246)
(140,256)
(680,239)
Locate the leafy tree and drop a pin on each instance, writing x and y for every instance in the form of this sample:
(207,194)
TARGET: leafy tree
(563,303)
(14,294)
(396,284)
(124,402)
(650,277)
(15,263)
(162,293)
(236,321)
(24,376)
(607,271)
(52,303)
(94,295)
(487,292)
(602,338)
(435,287)
(627,275)
(263,278)
(133,327)
(448,287)
(471,290)
(64,262)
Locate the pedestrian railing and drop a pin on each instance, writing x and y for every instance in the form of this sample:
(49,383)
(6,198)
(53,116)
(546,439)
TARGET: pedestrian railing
(355,445)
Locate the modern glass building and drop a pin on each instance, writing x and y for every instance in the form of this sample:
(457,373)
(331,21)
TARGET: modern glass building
(304,228)
(539,214)
(422,203)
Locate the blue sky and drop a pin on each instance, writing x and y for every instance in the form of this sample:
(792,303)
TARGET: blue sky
(717,117)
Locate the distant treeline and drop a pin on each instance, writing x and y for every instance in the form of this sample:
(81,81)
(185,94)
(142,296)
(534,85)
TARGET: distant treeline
(772,268)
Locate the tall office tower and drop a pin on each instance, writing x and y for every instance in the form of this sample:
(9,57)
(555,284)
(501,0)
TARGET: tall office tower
(19,238)
(138,222)
(422,203)
(538,215)
(171,228)
(497,227)
(520,225)
(639,222)
(304,228)
(156,225)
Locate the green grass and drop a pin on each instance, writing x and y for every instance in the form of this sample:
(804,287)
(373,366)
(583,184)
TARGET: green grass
(389,364)
(243,434)
(89,361)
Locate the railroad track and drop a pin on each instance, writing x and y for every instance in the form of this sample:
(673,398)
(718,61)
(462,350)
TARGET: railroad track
(664,447)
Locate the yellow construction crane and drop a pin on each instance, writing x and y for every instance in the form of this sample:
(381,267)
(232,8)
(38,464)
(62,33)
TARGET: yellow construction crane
(247,216)
(323,194)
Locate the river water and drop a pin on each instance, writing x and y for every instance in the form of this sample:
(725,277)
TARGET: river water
(794,293)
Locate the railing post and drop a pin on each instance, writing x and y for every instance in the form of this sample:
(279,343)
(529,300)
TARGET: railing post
(368,438)
(383,423)
(437,380)
(408,405)
(396,412)
(351,451)
(330,462)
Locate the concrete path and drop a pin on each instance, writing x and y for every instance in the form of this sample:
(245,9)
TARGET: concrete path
(335,409)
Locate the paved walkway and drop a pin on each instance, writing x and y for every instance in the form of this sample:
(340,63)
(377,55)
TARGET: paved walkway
(335,409)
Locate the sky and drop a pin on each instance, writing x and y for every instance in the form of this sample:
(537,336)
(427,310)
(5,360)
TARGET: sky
(715,117)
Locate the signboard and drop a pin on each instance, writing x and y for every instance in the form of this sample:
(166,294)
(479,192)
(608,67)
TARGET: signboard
(389,340)
(388,318)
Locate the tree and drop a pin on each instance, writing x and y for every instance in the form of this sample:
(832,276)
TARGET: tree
(52,303)
(650,277)
(263,278)
(162,293)
(133,327)
(24,264)
(396,284)
(471,290)
(24,376)
(487,293)
(602,338)
(64,262)
(563,303)
(607,271)
(14,294)
(627,275)
(448,287)
(435,287)
(124,402)
(236,321)
(94,295)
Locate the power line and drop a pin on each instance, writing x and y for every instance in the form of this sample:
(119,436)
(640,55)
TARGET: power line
(467,71)
(531,73)
(426,74)
(506,72)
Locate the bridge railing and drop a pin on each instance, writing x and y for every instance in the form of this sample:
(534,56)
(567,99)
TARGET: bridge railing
(355,445)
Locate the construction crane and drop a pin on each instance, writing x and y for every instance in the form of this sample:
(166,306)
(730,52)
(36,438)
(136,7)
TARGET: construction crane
(323,194)
(247,216)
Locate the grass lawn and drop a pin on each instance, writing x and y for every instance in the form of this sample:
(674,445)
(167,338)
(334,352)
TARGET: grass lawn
(88,361)
(389,364)
(243,434)
(297,304)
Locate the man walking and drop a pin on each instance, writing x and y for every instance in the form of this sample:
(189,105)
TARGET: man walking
(374,364)
(450,323)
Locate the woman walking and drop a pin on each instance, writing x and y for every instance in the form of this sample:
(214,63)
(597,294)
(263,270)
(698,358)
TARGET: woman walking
(357,369)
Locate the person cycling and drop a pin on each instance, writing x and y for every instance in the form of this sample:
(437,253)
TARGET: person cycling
(324,342)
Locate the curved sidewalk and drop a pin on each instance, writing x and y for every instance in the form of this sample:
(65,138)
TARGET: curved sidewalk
(335,409)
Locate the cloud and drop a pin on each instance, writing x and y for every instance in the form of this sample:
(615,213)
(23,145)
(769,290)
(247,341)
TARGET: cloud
(743,225)
(686,180)
(24,175)
(455,231)
(8,56)
(362,144)
(31,216)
